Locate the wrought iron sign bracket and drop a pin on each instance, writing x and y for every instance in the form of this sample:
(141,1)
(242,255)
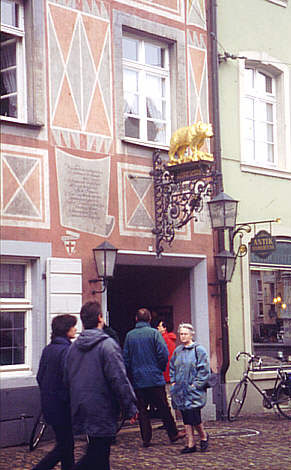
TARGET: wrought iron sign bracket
(179,193)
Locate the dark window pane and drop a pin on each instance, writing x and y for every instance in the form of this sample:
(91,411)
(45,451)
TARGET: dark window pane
(5,339)
(12,281)
(9,13)
(12,337)
(132,127)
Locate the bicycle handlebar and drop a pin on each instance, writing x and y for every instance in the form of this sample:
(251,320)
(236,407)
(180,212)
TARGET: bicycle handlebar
(251,357)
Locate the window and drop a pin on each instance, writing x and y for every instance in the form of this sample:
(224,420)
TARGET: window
(260,116)
(271,315)
(15,306)
(265,115)
(12,70)
(146,90)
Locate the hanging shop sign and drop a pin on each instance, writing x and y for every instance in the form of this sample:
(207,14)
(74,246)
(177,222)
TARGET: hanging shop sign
(263,244)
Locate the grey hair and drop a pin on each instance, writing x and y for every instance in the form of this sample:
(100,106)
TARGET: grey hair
(188,326)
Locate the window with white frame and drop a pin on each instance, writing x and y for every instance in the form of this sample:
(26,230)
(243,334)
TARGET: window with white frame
(146,88)
(265,115)
(260,116)
(12,72)
(15,306)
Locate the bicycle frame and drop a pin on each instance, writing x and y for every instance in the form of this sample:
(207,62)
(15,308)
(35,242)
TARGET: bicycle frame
(270,399)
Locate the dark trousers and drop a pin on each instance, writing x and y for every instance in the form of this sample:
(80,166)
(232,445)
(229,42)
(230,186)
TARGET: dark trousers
(97,455)
(155,396)
(62,452)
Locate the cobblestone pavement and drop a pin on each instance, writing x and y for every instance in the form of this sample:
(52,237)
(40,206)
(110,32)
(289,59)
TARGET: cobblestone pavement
(260,442)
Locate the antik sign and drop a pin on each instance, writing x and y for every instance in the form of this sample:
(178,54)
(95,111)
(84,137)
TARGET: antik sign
(263,244)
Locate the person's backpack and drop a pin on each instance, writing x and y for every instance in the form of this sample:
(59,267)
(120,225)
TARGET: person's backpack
(212,380)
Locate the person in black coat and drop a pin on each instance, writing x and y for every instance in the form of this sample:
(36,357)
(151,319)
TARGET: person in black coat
(99,387)
(55,400)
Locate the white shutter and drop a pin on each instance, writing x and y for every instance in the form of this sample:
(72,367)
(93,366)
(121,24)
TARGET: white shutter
(64,289)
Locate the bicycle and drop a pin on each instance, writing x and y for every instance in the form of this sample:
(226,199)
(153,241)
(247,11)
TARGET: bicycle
(280,396)
(37,432)
(40,426)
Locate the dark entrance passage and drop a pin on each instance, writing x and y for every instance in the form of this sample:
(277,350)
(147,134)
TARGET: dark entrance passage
(163,290)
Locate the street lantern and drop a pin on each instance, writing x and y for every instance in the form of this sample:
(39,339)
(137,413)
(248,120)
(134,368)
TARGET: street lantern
(105,258)
(223,211)
(224,264)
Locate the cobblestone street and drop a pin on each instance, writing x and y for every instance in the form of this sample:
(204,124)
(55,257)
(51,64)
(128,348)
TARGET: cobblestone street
(260,442)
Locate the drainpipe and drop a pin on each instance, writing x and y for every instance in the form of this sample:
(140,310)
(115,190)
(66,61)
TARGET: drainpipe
(221,404)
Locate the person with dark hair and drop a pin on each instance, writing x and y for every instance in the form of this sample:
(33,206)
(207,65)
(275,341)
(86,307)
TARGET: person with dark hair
(146,356)
(99,387)
(170,340)
(55,401)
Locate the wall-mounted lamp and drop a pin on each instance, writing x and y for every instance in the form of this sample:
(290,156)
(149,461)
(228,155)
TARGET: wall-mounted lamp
(223,212)
(105,258)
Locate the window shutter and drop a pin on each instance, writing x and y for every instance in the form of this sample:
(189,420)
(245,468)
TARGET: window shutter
(64,289)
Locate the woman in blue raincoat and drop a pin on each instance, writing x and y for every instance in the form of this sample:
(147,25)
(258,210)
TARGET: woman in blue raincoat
(189,373)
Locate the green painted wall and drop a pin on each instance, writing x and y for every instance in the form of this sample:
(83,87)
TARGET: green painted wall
(261,26)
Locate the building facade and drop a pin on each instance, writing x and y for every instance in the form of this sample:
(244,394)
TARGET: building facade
(254,94)
(89,89)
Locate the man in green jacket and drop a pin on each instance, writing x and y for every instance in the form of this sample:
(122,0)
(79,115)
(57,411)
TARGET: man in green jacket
(146,356)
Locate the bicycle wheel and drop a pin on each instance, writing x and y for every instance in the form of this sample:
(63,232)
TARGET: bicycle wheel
(237,400)
(37,432)
(283,400)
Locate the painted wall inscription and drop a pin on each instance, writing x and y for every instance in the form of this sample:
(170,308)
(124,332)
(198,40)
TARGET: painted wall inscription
(83,193)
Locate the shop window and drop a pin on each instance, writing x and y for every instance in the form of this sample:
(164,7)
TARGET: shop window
(271,315)
(15,307)
(146,89)
(12,72)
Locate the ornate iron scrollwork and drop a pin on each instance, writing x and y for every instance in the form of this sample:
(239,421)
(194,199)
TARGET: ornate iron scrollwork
(179,193)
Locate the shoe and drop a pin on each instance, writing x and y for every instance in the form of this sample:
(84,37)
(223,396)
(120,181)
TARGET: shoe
(188,450)
(162,427)
(204,444)
(178,436)
(146,444)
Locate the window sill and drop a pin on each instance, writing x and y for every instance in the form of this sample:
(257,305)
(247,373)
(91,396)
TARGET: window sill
(267,171)
(141,143)
(14,122)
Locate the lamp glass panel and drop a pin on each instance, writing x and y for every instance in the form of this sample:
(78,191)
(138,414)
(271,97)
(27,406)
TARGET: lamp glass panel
(100,262)
(230,213)
(224,268)
(110,262)
(216,214)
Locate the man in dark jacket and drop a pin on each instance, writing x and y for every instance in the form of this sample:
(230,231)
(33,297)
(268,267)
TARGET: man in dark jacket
(146,356)
(54,394)
(99,386)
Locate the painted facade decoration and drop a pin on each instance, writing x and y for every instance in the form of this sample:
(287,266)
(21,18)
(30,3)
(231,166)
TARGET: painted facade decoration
(196,13)
(24,183)
(83,193)
(198,77)
(80,79)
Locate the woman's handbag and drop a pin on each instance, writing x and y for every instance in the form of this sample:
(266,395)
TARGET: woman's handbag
(212,379)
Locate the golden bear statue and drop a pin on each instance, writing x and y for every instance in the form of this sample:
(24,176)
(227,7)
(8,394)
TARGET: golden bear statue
(191,137)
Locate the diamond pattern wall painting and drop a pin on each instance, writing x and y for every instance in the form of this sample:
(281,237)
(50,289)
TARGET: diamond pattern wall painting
(81,79)
(24,187)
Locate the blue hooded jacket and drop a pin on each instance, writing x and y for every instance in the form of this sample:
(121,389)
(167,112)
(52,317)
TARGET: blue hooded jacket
(189,373)
(145,355)
(98,384)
